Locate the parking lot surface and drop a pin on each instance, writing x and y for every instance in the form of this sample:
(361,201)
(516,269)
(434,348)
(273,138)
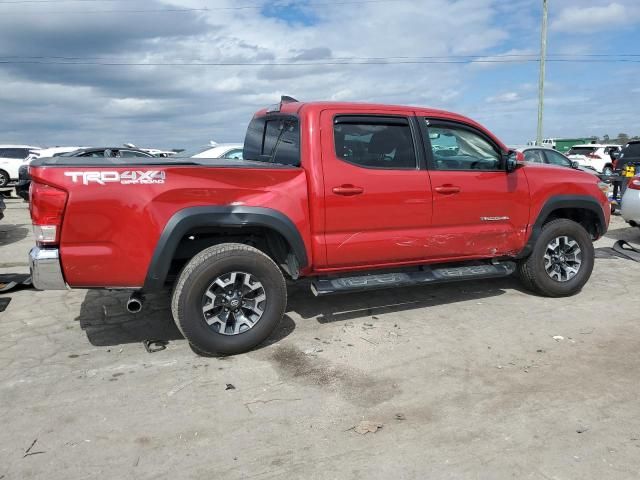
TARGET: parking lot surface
(469,380)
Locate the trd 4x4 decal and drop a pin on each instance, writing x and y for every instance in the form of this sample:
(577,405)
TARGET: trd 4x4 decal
(133,177)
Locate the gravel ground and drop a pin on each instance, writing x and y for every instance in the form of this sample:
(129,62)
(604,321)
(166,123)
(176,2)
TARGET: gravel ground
(465,380)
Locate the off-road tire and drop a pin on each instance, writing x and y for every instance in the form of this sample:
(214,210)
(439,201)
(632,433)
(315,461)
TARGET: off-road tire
(195,278)
(532,271)
(4,179)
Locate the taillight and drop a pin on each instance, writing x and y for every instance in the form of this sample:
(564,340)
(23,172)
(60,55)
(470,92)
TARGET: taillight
(634,183)
(47,207)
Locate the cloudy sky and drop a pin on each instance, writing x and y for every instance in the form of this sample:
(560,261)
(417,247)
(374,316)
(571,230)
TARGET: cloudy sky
(176,73)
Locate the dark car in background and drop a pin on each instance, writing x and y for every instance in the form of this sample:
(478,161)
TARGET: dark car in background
(550,156)
(24,180)
(630,155)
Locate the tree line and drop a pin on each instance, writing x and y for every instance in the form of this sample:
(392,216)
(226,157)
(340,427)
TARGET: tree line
(621,139)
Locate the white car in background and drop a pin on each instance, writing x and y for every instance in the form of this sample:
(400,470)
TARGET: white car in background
(51,152)
(11,158)
(594,155)
(215,150)
(156,152)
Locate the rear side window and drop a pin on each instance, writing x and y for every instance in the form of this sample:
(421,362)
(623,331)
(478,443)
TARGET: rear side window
(582,150)
(273,140)
(533,156)
(14,153)
(375,143)
(234,154)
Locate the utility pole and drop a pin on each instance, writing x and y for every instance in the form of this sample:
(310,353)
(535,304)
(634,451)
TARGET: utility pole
(543,58)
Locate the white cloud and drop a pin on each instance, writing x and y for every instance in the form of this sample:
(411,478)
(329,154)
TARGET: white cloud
(596,18)
(507,97)
(171,106)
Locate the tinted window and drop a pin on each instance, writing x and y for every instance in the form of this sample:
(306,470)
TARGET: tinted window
(581,150)
(458,148)
(130,153)
(99,153)
(533,156)
(556,158)
(632,150)
(273,139)
(14,153)
(375,144)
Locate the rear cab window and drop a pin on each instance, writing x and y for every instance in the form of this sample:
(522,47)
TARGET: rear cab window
(273,139)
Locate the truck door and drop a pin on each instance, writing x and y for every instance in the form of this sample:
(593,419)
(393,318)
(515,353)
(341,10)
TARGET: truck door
(377,196)
(479,210)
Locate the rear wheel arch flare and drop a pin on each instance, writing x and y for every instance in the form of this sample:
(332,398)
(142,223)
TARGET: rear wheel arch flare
(229,217)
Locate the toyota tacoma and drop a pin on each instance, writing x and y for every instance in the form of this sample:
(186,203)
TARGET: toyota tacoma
(355,196)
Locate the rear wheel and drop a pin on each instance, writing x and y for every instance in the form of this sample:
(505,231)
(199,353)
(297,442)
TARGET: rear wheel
(561,262)
(4,178)
(228,299)
(607,170)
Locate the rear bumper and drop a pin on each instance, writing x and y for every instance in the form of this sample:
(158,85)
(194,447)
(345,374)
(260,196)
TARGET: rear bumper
(46,271)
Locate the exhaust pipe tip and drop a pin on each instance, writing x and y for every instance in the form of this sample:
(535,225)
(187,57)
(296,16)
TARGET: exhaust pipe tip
(135,303)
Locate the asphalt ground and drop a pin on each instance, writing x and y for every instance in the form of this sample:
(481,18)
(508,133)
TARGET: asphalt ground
(473,380)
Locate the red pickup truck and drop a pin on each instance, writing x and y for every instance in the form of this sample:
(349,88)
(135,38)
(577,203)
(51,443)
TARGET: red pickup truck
(356,196)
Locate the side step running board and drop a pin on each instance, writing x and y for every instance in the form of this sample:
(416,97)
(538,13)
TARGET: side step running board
(420,276)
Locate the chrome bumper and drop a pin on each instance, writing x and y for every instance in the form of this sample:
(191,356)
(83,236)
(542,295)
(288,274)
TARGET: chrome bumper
(46,272)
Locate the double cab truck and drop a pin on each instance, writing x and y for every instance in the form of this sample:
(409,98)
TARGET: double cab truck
(355,196)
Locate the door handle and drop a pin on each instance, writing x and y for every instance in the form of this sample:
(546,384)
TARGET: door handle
(447,189)
(348,190)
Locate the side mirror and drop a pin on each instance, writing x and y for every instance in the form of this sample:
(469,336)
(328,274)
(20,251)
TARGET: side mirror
(512,159)
(575,164)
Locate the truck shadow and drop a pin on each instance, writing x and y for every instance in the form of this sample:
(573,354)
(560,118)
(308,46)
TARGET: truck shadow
(12,233)
(630,234)
(337,308)
(106,322)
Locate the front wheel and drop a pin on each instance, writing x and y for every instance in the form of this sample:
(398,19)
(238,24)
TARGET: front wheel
(4,178)
(561,262)
(607,170)
(228,299)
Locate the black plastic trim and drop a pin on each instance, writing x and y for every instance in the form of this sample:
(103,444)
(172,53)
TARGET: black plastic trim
(217,216)
(371,119)
(581,202)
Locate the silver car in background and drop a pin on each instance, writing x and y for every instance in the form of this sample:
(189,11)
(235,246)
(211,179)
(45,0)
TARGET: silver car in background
(631,202)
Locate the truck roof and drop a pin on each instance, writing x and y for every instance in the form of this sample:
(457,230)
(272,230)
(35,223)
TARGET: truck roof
(300,108)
